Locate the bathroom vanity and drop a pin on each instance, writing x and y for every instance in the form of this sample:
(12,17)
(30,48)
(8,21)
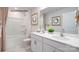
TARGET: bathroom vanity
(47,42)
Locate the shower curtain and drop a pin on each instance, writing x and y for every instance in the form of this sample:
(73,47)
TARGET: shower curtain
(4,13)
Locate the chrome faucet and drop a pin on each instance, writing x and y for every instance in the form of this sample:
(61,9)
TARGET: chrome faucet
(61,33)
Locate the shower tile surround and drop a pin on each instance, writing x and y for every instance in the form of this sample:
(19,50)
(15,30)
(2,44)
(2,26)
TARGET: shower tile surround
(16,31)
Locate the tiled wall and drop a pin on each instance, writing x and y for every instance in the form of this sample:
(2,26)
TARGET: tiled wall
(18,28)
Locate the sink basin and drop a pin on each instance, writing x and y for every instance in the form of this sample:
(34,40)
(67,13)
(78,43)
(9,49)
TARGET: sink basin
(63,38)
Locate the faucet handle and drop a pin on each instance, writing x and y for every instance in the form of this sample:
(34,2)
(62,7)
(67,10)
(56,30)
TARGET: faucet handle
(62,30)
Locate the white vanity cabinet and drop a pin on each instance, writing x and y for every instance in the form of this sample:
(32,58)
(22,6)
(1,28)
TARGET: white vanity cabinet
(40,43)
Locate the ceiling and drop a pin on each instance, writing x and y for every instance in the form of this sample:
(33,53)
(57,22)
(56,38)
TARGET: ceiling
(54,9)
(45,10)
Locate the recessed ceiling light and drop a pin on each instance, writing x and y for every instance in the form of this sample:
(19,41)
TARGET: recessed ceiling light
(15,8)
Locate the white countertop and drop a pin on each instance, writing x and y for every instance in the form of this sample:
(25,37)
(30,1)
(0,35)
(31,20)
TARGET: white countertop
(70,39)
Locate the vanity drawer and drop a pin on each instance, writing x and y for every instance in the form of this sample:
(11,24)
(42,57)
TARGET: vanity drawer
(48,48)
(59,45)
(36,37)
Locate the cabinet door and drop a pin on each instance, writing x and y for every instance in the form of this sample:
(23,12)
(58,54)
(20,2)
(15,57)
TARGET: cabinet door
(61,46)
(47,48)
(36,45)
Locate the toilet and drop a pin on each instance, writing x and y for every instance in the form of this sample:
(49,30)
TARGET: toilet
(27,43)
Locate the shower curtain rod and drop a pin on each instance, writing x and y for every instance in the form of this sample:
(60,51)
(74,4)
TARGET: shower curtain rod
(19,10)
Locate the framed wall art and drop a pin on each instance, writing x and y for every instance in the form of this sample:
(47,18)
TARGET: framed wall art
(56,21)
(35,18)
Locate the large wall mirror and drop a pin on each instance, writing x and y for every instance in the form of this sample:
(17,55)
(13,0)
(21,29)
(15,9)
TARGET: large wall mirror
(64,18)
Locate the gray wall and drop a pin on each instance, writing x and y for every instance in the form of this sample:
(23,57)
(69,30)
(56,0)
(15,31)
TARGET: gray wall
(68,19)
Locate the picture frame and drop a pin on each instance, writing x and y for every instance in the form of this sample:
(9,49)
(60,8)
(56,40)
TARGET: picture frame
(56,21)
(35,18)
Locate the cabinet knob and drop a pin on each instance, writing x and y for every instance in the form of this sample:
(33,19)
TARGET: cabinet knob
(35,42)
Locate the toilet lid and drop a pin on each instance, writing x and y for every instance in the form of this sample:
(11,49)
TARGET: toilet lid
(28,39)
